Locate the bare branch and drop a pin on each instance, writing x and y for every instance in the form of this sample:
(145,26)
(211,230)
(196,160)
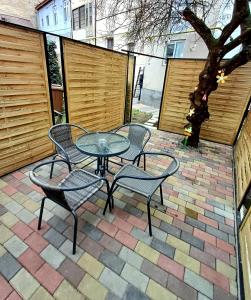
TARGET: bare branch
(244,37)
(200,27)
(238,60)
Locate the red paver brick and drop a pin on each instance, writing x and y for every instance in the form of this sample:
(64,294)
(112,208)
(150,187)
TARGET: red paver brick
(204,205)
(123,225)
(18,175)
(175,214)
(217,252)
(107,227)
(110,243)
(202,256)
(183,226)
(91,207)
(225,246)
(204,236)
(44,227)
(31,260)
(208,221)
(24,188)
(22,230)
(120,213)
(171,266)
(36,242)
(126,239)
(141,224)
(9,190)
(229,222)
(49,278)
(215,277)
(92,247)
(14,296)
(5,288)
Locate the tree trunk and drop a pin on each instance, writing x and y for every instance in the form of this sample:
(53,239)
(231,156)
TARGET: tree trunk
(199,98)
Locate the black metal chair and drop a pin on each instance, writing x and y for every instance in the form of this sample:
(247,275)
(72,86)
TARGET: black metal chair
(138,136)
(70,193)
(137,180)
(61,136)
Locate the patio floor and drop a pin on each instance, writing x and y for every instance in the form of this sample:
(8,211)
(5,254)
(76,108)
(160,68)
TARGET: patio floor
(191,256)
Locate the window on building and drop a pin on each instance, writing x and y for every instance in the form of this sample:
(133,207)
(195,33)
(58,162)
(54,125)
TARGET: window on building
(42,22)
(66,10)
(174,49)
(75,15)
(55,16)
(82,16)
(110,42)
(47,21)
(131,46)
(90,14)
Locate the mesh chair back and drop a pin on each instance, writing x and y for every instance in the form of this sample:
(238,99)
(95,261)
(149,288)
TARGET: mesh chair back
(138,135)
(62,134)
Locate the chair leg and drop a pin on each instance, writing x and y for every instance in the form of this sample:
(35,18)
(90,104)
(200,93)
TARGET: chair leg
(161,194)
(149,217)
(138,161)
(144,162)
(52,165)
(41,214)
(108,201)
(75,231)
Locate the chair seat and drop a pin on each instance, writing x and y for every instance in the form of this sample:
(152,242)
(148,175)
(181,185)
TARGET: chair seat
(131,153)
(74,154)
(143,187)
(77,178)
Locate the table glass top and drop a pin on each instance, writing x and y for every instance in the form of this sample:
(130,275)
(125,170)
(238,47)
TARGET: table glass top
(103,144)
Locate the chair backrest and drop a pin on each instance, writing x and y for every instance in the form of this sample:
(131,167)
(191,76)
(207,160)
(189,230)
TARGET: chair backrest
(138,135)
(61,134)
(53,192)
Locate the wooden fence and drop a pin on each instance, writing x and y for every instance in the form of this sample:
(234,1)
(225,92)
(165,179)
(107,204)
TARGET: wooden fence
(96,85)
(25,113)
(242,157)
(226,105)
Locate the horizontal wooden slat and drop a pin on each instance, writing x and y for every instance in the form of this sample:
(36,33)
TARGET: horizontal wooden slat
(25,114)
(96,86)
(226,105)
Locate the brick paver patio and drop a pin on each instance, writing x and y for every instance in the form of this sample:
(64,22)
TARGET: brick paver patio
(190,256)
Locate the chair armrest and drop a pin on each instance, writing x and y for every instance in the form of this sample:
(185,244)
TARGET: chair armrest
(174,166)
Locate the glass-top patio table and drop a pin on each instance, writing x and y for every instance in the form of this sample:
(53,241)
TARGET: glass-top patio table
(102,145)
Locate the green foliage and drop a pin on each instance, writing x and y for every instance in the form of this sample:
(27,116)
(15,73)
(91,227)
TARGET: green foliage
(54,69)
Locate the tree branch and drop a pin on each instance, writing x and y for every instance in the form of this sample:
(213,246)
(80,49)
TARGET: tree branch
(200,27)
(236,61)
(240,12)
(244,37)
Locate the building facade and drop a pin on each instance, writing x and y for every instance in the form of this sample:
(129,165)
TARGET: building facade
(55,16)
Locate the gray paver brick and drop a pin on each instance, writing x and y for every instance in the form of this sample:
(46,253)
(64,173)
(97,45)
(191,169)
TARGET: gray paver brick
(15,246)
(131,257)
(195,223)
(25,216)
(58,224)
(170,229)
(154,272)
(133,210)
(113,282)
(135,277)
(181,289)
(215,203)
(189,238)
(132,293)
(226,228)
(163,247)
(214,216)
(9,266)
(54,238)
(159,234)
(199,283)
(14,207)
(112,261)
(66,249)
(52,256)
(202,297)
(92,231)
(141,235)
(218,233)
(24,283)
